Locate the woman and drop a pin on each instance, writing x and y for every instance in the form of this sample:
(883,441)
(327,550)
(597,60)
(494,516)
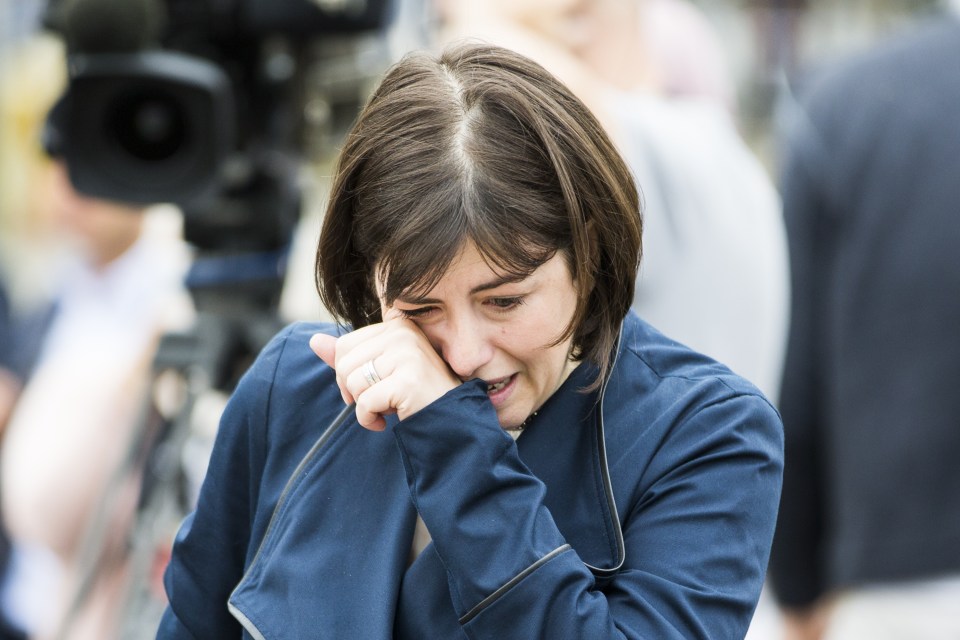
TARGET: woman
(482,238)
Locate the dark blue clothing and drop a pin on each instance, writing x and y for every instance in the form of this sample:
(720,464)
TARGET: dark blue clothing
(8,362)
(642,511)
(869,399)
(7,341)
(21,337)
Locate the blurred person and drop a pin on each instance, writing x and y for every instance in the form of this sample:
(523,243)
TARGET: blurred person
(80,408)
(778,28)
(495,446)
(868,540)
(683,49)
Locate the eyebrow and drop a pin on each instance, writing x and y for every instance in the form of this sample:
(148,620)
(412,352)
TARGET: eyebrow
(486,286)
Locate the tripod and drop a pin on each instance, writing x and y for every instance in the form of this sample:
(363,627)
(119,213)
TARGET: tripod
(207,361)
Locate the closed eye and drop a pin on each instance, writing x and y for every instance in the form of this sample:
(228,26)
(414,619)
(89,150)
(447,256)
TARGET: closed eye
(419,312)
(505,304)
(499,304)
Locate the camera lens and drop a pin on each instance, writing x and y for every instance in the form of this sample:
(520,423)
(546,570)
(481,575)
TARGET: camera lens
(149,127)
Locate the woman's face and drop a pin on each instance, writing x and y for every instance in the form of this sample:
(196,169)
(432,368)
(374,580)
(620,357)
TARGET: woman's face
(503,332)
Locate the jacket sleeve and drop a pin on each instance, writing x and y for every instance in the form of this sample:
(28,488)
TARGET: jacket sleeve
(210,549)
(697,534)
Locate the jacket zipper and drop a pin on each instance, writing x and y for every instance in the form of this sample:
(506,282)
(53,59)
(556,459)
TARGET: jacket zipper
(337,422)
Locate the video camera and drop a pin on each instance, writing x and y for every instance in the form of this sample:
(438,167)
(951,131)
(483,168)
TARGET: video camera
(198,103)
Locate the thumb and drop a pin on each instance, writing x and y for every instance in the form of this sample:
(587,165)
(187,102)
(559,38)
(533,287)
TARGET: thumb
(325,347)
(392,314)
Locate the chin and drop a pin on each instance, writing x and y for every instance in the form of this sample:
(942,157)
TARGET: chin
(508,421)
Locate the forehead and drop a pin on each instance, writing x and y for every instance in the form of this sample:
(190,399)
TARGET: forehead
(468,272)
(467,268)
(469,262)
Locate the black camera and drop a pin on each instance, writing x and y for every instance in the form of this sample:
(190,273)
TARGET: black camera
(163,93)
(200,103)
(145,127)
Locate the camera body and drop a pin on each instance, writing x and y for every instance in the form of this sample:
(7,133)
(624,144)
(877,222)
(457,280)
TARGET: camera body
(163,93)
(145,127)
(200,103)
(169,99)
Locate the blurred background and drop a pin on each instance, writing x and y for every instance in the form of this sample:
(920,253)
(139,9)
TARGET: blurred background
(208,259)
(766,44)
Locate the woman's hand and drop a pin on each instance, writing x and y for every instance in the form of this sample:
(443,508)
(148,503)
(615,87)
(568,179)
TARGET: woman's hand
(411,373)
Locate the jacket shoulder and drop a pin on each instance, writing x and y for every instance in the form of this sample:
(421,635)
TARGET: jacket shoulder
(289,350)
(288,388)
(654,359)
(661,391)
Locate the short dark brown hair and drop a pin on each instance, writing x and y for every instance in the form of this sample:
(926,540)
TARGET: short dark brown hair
(480,143)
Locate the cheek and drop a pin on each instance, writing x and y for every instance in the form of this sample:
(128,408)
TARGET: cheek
(543,324)
(533,343)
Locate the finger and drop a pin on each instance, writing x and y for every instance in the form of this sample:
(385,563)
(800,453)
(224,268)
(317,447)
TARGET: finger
(352,350)
(357,381)
(372,407)
(350,341)
(371,421)
(393,314)
(383,350)
(326,349)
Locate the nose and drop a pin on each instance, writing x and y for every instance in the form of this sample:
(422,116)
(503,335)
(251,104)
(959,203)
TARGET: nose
(465,346)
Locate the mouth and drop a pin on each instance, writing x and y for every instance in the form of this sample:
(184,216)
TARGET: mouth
(498,385)
(500,389)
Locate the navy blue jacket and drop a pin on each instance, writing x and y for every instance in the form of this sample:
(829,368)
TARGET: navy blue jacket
(642,511)
(871,412)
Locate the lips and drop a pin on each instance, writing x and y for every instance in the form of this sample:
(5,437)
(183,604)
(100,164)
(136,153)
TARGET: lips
(493,387)
(500,389)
